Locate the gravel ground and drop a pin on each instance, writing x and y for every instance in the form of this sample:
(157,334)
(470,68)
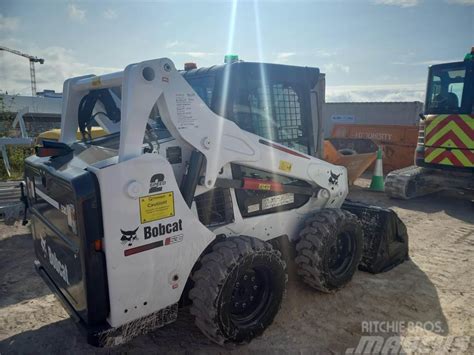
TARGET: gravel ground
(434,291)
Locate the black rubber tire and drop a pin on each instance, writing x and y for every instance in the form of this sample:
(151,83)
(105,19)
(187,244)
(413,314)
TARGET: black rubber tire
(215,286)
(315,249)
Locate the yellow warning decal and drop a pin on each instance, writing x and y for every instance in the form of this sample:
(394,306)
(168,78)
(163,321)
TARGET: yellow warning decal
(285,166)
(156,207)
(264,186)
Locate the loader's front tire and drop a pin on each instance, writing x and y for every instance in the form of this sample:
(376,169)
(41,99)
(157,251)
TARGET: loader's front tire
(329,249)
(238,289)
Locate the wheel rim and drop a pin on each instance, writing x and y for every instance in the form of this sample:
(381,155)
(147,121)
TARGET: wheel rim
(250,296)
(341,254)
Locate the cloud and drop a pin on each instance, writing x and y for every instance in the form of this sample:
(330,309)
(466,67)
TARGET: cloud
(401,3)
(334,68)
(110,14)
(8,23)
(378,93)
(76,14)
(172,44)
(461,2)
(283,57)
(325,53)
(195,54)
(60,64)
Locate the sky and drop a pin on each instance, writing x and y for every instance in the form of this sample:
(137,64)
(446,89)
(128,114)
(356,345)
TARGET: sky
(370,50)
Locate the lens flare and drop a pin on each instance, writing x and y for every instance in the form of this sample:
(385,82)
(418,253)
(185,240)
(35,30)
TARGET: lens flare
(225,85)
(266,91)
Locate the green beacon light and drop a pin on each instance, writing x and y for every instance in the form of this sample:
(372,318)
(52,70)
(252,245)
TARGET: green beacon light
(231,58)
(470,56)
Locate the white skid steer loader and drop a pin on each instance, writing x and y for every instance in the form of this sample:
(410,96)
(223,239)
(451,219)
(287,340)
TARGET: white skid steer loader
(127,225)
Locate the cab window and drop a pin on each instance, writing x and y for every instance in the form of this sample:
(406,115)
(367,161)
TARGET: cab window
(448,90)
(273,111)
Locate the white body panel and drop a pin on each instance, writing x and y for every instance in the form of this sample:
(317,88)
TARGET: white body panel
(145,276)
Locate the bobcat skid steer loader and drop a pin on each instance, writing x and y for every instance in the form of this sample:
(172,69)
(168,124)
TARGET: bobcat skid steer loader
(127,225)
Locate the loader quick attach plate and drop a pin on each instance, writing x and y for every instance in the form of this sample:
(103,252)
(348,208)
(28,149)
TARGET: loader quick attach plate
(385,237)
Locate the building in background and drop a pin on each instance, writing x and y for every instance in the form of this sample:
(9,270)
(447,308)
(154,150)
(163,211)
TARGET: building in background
(370,113)
(40,113)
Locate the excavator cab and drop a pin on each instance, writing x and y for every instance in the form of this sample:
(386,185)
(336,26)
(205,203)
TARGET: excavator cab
(444,156)
(450,88)
(446,135)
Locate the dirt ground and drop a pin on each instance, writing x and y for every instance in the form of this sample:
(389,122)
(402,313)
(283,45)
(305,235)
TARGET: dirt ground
(434,291)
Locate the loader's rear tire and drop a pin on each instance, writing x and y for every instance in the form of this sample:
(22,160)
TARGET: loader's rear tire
(238,289)
(329,249)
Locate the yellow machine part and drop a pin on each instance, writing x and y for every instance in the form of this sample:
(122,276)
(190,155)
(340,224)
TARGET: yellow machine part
(54,134)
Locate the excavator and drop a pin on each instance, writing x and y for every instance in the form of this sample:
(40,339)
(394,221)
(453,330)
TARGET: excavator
(444,157)
(184,202)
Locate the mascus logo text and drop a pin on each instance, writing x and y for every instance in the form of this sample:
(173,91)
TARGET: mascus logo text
(162,229)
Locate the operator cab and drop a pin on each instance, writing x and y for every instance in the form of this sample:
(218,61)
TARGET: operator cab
(270,100)
(450,88)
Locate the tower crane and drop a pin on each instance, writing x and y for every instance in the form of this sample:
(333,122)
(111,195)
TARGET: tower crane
(32,60)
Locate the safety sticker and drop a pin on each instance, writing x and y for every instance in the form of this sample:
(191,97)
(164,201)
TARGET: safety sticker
(156,207)
(278,200)
(253,208)
(184,110)
(285,166)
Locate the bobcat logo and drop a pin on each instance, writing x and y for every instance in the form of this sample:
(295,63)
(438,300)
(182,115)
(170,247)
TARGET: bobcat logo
(156,183)
(334,178)
(129,236)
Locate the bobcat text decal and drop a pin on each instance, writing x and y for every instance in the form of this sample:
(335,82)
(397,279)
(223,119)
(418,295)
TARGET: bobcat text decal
(162,229)
(60,267)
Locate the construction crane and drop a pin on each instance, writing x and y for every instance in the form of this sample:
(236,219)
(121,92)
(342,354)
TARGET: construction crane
(32,60)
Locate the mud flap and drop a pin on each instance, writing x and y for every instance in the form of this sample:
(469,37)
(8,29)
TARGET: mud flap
(385,237)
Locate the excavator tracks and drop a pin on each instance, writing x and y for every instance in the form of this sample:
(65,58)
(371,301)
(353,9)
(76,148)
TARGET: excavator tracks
(415,181)
(406,183)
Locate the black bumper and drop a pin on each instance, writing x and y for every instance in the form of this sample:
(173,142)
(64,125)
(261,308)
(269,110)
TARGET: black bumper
(93,333)
(103,335)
